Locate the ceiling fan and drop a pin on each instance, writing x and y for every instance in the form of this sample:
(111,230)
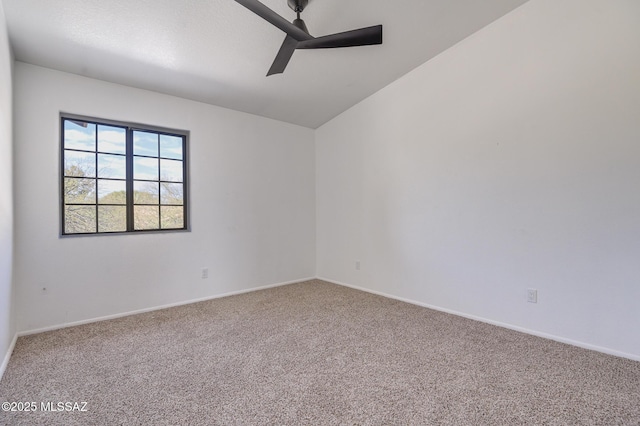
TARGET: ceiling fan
(298,36)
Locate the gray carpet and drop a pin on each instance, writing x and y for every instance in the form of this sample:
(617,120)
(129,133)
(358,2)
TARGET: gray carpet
(314,353)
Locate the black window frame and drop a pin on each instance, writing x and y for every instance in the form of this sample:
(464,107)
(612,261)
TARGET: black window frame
(129,155)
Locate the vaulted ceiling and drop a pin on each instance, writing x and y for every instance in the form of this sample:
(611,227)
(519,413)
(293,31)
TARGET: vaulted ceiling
(218,52)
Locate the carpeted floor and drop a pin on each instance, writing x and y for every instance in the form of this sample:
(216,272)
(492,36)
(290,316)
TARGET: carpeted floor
(313,353)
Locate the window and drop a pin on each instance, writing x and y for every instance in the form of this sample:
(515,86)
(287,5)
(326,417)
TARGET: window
(118,177)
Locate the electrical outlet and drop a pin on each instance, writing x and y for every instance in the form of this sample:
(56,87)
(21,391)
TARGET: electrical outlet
(205,273)
(532,295)
(357,265)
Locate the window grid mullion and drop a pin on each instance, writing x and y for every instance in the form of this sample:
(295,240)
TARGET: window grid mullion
(159,187)
(95,180)
(129,176)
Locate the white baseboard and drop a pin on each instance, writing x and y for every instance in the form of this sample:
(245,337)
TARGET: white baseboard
(156,308)
(492,322)
(7,356)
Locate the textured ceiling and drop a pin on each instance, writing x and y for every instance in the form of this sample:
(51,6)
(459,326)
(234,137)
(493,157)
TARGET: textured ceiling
(218,52)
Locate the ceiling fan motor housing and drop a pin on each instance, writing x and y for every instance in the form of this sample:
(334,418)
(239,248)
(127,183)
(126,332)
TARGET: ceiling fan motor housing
(298,5)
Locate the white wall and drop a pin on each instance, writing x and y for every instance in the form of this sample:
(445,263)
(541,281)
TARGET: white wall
(252,206)
(510,161)
(7,328)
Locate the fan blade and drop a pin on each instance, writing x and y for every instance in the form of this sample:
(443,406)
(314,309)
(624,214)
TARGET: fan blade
(284,54)
(362,37)
(270,16)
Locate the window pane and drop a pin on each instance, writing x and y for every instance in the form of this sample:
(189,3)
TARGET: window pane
(172,217)
(145,168)
(145,143)
(112,218)
(145,192)
(79,191)
(81,164)
(112,166)
(146,217)
(171,147)
(79,219)
(171,170)
(79,135)
(112,191)
(112,139)
(171,193)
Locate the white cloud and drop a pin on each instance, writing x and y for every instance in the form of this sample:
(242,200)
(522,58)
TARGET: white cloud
(145,168)
(112,141)
(79,139)
(111,166)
